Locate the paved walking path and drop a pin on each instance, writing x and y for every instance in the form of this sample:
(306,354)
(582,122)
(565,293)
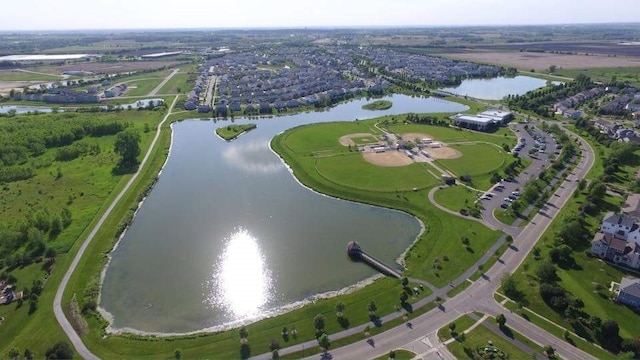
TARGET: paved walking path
(164,82)
(57,302)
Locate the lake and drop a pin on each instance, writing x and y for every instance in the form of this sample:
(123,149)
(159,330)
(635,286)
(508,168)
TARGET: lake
(62,107)
(228,235)
(496,88)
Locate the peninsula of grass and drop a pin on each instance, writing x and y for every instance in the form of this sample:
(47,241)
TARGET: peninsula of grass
(230,132)
(459,326)
(378,105)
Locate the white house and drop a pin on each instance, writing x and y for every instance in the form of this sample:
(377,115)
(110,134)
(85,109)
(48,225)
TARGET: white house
(619,225)
(629,292)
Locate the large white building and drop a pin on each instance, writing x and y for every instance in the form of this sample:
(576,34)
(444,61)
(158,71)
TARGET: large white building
(484,120)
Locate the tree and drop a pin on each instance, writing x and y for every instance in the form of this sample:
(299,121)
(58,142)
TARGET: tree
(405,281)
(373,308)
(549,350)
(324,342)
(501,320)
(452,327)
(597,191)
(275,355)
(13,353)
(177,354)
(582,184)
(318,322)
(128,147)
(404,297)
(546,273)
(61,350)
(552,69)
(244,334)
(509,239)
(509,287)
(340,306)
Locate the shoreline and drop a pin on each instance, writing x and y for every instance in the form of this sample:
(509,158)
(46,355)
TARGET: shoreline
(111,330)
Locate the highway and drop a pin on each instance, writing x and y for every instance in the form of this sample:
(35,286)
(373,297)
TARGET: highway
(477,297)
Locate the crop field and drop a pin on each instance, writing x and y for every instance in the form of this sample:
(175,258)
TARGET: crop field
(17,75)
(542,61)
(579,47)
(624,74)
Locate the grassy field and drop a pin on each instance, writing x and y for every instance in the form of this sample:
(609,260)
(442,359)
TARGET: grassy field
(179,81)
(85,186)
(378,105)
(450,135)
(231,132)
(624,74)
(480,337)
(16,75)
(436,257)
(400,355)
(142,87)
(456,197)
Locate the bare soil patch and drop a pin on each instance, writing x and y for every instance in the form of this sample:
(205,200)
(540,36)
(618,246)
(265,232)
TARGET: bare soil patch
(391,158)
(443,152)
(347,139)
(540,61)
(6,86)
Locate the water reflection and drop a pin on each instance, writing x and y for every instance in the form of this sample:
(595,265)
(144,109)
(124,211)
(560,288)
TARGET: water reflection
(253,157)
(241,281)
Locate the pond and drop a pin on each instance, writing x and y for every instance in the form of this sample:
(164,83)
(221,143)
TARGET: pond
(228,235)
(496,88)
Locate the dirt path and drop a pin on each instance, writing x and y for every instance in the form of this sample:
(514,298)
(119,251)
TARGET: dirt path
(164,82)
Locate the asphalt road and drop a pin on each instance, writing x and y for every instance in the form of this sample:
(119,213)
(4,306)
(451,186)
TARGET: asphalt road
(477,297)
(57,302)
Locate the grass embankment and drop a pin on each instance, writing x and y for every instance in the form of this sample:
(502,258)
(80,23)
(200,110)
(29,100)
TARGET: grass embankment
(399,355)
(231,132)
(436,257)
(86,186)
(378,105)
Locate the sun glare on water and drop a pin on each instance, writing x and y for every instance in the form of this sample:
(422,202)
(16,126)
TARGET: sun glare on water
(241,281)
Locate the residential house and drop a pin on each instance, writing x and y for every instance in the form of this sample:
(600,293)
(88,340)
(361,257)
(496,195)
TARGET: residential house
(629,292)
(618,224)
(631,206)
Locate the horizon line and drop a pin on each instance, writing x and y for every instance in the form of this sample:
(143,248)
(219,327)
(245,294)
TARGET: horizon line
(316,27)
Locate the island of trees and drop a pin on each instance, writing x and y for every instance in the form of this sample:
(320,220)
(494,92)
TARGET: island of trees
(231,132)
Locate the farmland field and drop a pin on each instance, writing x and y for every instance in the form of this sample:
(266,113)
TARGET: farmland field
(541,61)
(17,75)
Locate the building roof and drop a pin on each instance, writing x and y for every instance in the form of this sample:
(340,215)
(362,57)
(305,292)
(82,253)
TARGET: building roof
(474,119)
(499,113)
(619,219)
(611,241)
(630,286)
(632,205)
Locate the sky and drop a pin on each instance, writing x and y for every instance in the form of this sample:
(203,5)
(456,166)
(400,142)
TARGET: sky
(163,14)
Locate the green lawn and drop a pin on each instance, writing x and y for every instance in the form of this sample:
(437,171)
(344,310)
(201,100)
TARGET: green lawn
(16,75)
(462,323)
(316,138)
(476,159)
(399,355)
(351,170)
(456,197)
(179,81)
(142,87)
(480,337)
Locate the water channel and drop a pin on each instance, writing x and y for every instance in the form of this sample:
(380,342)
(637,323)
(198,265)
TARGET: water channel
(229,235)
(496,88)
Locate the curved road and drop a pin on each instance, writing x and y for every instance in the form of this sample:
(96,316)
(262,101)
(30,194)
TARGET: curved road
(57,302)
(478,297)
